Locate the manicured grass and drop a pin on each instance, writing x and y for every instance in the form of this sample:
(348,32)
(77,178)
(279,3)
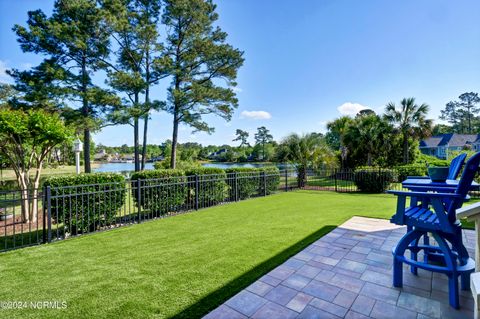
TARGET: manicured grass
(181,266)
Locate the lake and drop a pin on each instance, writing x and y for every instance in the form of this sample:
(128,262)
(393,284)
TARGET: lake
(130,167)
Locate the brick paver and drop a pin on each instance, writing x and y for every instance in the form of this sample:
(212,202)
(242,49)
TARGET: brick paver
(348,274)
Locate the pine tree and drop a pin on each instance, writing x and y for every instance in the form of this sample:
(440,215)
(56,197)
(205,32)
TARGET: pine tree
(74,44)
(198,57)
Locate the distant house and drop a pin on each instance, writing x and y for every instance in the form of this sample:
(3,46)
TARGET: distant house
(218,154)
(441,145)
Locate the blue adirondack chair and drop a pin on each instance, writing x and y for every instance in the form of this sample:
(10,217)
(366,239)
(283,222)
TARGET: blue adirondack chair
(435,213)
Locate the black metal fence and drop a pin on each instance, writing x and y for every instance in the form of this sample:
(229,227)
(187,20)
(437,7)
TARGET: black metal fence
(62,212)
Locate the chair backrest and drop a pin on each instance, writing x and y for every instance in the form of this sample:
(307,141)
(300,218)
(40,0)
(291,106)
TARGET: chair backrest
(456,166)
(464,184)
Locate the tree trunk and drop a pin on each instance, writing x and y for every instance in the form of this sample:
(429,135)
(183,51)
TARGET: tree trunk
(85,113)
(135,138)
(86,150)
(173,157)
(144,148)
(36,185)
(25,203)
(147,106)
(405,148)
(369,159)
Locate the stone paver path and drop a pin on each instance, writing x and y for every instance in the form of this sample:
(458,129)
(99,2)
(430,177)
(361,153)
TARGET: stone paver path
(347,274)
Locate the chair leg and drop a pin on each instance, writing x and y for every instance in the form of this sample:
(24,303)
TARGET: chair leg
(403,244)
(426,242)
(450,261)
(414,255)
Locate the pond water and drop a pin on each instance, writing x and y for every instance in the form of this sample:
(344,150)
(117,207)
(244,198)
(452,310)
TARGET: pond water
(130,167)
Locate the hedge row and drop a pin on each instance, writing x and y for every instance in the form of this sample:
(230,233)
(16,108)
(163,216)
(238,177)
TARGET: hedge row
(168,190)
(86,202)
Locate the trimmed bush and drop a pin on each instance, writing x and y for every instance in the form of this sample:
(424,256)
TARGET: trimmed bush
(161,191)
(250,182)
(213,188)
(86,202)
(273,178)
(373,180)
(410,170)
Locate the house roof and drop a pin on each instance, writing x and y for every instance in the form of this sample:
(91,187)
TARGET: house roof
(451,140)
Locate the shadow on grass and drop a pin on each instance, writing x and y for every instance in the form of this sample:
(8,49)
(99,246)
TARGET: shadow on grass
(216,298)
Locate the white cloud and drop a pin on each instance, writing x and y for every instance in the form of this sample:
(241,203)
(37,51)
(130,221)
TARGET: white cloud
(350,108)
(237,89)
(4,77)
(255,115)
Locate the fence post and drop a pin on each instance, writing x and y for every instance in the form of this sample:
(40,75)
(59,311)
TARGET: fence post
(286,179)
(264,176)
(48,195)
(335,174)
(197,189)
(139,200)
(235,181)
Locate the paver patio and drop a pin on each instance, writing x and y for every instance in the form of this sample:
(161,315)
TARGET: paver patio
(348,274)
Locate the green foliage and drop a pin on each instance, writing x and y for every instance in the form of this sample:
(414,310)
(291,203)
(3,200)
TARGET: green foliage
(462,113)
(213,188)
(157,195)
(202,66)
(95,200)
(263,138)
(373,180)
(241,136)
(182,165)
(75,44)
(410,120)
(410,170)
(250,181)
(424,159)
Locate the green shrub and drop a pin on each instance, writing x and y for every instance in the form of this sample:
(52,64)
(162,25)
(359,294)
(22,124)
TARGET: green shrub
(161,191)
(250,182)
(410,170)
(86,202)
(183,165)
(273,178)
(213,188)
(373,180)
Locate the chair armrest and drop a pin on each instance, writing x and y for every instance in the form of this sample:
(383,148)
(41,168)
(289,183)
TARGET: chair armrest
(424,194)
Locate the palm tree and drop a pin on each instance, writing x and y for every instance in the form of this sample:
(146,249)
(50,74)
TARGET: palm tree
(410,120)
(368,136)
(339,127)
(307,151)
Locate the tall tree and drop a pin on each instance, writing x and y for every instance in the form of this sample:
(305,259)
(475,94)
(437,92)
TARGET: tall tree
(199,59)
(74,44)
(134,26)
(368,139)
(453,115)
(262,137)
(410,120)
(468,103)
(26,139)
(241,136)
(336,135)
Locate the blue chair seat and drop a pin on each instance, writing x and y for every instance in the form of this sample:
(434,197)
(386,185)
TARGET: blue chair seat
(422,217)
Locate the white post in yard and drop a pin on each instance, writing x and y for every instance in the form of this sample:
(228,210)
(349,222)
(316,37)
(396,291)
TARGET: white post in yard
(77,148)
(472,213)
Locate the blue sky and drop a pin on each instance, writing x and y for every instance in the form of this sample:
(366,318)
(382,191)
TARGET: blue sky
(309,61)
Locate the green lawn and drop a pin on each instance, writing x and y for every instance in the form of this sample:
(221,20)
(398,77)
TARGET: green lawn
(181,266)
